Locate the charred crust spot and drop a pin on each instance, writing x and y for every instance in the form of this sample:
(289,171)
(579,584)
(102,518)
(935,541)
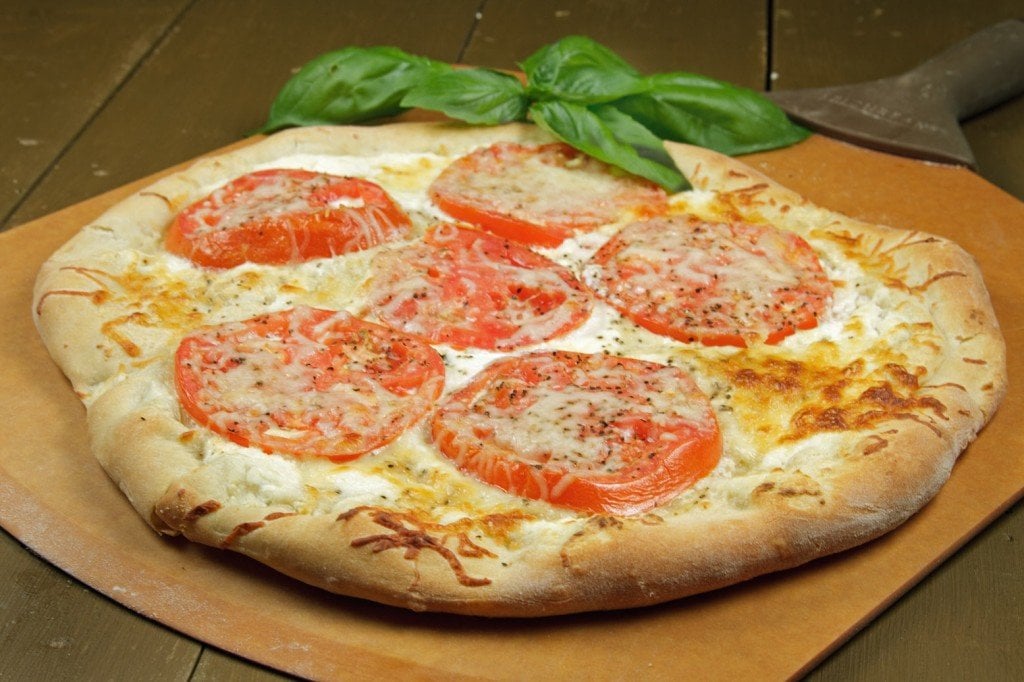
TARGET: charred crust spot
(975,361)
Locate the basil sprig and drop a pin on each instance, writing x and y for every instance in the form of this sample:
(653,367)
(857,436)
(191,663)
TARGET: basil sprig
(576,89)
(352,85)
(477,96)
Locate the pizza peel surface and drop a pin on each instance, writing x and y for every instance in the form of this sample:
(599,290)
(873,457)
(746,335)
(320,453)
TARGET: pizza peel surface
(829,436)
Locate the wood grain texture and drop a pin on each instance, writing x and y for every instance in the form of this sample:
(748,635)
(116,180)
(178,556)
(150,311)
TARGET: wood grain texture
(964,622)
(819,43)
(59,64)
(54,628)
(652,35)
(213,78)
(218,666)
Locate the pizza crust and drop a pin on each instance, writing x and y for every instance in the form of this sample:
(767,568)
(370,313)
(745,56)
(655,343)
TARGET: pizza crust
(509,558)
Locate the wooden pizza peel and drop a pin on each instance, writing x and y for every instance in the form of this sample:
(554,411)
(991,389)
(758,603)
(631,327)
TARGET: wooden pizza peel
(56,499)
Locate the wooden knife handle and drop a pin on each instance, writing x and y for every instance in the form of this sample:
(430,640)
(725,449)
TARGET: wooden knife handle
(979,72)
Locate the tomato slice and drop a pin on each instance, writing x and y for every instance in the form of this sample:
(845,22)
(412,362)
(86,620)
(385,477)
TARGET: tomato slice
(467,288)
(307,381)
(595,433)
(282,216)
(541,195)
(716,283)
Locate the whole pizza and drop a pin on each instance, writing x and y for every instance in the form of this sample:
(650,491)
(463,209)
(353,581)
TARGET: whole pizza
(473,370)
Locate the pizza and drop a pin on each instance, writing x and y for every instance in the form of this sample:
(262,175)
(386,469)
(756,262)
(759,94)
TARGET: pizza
(473,370)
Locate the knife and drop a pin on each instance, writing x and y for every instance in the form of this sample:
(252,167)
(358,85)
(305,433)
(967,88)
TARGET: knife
(917,113)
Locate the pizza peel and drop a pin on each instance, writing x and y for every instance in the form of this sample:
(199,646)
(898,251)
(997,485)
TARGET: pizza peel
(918,113)
(55,498)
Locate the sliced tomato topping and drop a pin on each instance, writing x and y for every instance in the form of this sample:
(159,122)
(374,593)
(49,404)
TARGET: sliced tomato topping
(716,283)
(596,433)
(541,195)
(467,288)
(282,216)
(307,381)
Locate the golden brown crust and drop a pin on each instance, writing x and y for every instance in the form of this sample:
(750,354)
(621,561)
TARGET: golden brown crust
(868,426)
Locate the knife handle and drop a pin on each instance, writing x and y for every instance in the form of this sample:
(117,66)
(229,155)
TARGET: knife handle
(977,73)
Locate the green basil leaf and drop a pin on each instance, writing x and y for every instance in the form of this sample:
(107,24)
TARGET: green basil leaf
(709,113)
(583,129)
(477,96)
(578,69)
(627,130)
(349,86)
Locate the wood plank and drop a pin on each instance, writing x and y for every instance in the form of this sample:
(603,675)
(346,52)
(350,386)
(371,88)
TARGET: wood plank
(962,622)
(214,78)
(965,617)
(59,63)
(218,666)
(53,627)
(823,43)
(653,36)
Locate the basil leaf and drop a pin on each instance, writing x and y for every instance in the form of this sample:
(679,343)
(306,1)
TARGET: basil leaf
(584,130)
(348,86)
(477,96)
(709,113)
(645,143)
(578,69)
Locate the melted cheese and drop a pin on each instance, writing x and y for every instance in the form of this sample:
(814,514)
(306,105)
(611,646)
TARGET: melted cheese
(171,297)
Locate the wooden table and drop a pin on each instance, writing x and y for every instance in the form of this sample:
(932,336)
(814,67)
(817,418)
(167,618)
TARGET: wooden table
(96,94)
